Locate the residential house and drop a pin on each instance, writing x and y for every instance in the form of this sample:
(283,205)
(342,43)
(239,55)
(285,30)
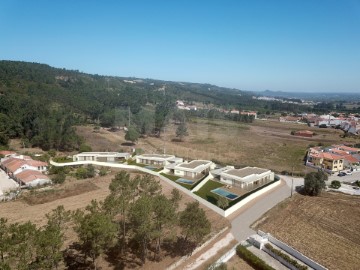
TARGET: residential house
(157,159)
(101,156)
(14,165)
(246,178)
(31,178)
(193,169)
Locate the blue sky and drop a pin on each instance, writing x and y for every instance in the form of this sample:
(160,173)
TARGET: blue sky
(290,45)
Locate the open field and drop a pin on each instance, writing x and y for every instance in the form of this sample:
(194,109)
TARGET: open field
(324,228)
(263,143)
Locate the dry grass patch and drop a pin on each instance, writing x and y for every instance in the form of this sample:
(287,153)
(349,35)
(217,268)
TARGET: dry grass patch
(324,228)
(49,195)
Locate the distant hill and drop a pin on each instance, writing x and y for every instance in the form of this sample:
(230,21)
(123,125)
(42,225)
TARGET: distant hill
(315,96)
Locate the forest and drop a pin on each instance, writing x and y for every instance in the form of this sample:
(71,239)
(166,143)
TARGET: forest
(41,104)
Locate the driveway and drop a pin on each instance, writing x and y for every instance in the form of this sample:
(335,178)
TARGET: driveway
(241,223)
(6,183)
(347,178)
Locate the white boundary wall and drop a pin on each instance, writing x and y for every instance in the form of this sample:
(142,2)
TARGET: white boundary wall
(213,207)
(292,251)
(240,204)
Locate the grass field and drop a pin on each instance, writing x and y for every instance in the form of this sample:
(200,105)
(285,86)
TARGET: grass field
(205,191)
(325,228)
(265,144)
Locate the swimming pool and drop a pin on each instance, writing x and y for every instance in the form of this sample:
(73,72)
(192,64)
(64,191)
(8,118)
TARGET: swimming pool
(185,181)
(151,167)
(225,193)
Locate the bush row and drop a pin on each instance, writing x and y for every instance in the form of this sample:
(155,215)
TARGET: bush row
(250,258)
(286,257)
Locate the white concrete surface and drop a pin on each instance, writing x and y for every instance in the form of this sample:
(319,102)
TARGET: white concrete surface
(6,183)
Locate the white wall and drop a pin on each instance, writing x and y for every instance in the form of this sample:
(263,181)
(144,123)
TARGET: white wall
(175,185)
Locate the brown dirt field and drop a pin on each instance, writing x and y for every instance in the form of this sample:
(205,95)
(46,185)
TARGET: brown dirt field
(49,195)
(324,228)
(236,263)
(263,143)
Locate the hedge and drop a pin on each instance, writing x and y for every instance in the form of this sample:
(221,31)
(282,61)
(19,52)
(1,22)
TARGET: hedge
(251,259)
(286,257)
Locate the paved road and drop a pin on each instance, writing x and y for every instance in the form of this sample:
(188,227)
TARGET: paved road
(241,224)
(348,178)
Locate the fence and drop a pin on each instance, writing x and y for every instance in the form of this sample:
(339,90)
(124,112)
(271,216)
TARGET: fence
(213,207)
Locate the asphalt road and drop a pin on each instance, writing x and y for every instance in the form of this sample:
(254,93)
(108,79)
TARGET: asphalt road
(241,224)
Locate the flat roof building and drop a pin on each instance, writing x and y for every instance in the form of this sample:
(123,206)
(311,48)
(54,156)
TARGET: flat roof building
(101,156)
(248,177)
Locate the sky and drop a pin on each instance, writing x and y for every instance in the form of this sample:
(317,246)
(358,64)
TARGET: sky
(290,45)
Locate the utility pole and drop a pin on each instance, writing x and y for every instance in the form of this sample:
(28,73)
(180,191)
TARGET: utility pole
(129,116)
(292,181)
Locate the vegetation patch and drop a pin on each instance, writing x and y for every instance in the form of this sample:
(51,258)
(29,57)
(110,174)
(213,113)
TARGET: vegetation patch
(286,257)
(251,259)
(62,159)
(174,178)
(205,191)
(45,196)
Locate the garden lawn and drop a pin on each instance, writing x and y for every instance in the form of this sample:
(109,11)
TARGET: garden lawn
(205,191)
(174,178)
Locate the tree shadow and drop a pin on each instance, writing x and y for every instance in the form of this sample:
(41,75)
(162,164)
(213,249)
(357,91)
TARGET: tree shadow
(180,247)
(121,260)
(74,258)
(128,144)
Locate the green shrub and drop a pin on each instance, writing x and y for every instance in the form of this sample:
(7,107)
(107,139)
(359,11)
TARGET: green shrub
(103,171)
(52,153)
(59,178)
(85,148)
(335,184)
(286,257)
(251,259)
(62,159)
(85,172)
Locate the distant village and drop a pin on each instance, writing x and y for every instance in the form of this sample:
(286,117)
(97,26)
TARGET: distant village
(349,123)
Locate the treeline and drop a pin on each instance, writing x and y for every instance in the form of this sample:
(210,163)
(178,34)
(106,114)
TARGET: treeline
(41,104)
(216,114)
(135,220)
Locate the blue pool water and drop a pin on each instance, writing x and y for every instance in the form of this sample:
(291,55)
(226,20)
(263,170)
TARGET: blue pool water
(151,167)
(185,181)
(225,193)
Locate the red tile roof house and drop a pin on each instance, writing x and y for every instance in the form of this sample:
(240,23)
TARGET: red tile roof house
(31,178)
(15,166)
(6,153)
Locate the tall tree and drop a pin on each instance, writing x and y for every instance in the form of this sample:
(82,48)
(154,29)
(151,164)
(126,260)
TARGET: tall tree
(132,135)
(123,191)
(164,217)
(96,230)
(181,131)
(175,197)
(194,223)
(4,240)
(141,218)
(314,183)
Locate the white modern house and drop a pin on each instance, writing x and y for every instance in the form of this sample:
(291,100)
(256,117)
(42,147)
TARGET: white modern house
(158,159)
(248,177)
(192,169)
(101,156)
